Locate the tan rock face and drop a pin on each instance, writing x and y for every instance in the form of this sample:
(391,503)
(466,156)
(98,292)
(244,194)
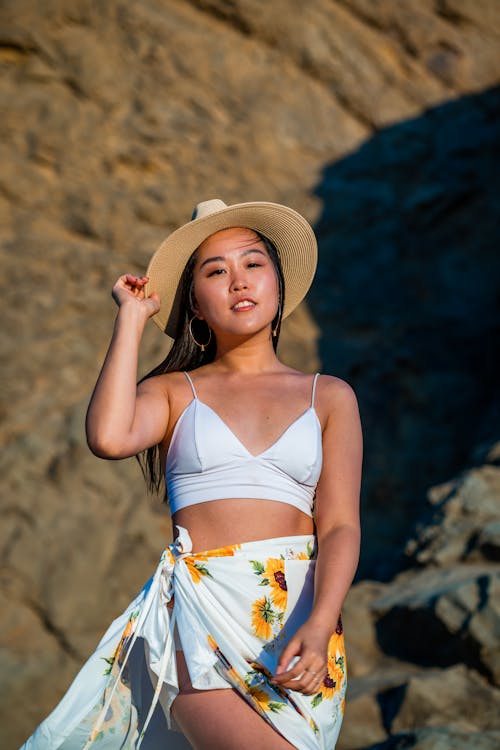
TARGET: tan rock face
(443,613)
(432,699)
(465,522)
(116,119)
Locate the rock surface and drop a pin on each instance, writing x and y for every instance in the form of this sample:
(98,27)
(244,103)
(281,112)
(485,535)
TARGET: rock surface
(406,290)
(379,122)
(464,526)
(425,647)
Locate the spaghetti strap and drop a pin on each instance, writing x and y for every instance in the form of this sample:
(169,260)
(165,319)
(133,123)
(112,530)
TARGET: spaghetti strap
(314,390)
(191,384)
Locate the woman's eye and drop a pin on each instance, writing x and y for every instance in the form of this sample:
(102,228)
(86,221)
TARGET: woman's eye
(220,271)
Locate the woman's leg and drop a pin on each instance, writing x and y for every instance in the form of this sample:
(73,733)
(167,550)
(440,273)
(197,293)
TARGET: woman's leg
(220,719)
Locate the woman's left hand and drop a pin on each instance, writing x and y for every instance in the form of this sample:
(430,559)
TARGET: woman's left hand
(308,649)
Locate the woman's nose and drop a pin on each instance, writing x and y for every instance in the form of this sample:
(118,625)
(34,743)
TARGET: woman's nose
(238,282)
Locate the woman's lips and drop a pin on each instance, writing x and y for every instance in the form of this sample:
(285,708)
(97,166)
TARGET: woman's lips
(242,305)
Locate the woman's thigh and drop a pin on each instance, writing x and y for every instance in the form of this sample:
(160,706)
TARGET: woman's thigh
(220,719)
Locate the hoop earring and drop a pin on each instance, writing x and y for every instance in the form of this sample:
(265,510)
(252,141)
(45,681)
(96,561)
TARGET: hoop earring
(201,346)
(275,329)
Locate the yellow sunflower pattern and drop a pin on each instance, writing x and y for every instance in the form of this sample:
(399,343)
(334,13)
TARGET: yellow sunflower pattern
(255,687)
(227,668)
(268,612)
(196,563)
(258,675)
(237,614)
(267,622)
(119,713)
(254,694)
(337,669)
(264,698)
(122,645)
(263,618)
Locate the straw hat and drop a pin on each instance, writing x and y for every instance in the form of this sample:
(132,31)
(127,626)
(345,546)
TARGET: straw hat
(290,232)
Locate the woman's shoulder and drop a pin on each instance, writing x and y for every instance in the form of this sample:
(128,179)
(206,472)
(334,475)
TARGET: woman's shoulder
(166,383)
(334,393)
(332,384)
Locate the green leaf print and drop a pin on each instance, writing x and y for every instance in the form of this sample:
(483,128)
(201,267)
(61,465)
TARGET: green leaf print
(317,700)
(264,582)
(267,611)
(203,569)
(257,567)
(310,550)
(275,706)
(110,660)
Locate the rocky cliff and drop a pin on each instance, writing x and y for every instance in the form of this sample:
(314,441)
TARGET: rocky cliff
(425,664)
(379,122)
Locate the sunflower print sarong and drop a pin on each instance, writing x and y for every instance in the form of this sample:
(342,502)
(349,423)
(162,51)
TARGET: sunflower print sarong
(234,608)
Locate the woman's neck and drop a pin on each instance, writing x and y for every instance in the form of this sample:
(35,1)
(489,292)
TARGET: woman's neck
(254,354)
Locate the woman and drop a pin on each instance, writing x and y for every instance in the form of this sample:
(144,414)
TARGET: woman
(263,472)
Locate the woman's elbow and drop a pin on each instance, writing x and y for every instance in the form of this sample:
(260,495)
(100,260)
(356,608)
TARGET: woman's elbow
(105,447)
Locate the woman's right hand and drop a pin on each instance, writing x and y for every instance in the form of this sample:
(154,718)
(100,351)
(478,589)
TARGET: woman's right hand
(129,290)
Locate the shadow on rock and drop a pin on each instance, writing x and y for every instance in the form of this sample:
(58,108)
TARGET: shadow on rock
(406,296)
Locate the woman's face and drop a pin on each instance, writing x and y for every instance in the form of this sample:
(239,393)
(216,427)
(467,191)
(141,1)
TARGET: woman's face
(235,286)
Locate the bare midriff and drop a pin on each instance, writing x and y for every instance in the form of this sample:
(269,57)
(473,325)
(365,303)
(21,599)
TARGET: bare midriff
(218,523)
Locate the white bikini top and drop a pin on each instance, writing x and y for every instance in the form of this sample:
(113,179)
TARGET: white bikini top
(206,461)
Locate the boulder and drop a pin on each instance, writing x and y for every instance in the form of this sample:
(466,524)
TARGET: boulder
(457,698)
(443,616)
(464,523)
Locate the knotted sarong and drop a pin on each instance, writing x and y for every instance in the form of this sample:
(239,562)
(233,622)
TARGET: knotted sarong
(234,609)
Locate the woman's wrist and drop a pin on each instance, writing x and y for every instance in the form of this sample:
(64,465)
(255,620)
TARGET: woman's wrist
(131,314)
(324,619)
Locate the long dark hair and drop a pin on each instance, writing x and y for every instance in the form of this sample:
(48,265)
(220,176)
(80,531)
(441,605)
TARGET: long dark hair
(185,355)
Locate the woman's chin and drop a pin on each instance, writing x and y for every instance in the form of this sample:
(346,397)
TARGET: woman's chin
(241,327)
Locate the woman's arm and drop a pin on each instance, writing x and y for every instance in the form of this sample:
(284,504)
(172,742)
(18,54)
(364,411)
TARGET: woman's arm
(337,507)
(123,418)
(338,532)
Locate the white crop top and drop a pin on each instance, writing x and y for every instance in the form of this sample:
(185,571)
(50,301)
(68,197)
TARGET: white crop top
(206,461)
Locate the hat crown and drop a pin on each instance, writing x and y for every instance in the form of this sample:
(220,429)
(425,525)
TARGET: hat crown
(205,208)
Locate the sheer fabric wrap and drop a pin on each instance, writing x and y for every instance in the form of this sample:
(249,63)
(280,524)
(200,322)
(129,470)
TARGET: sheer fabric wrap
(234,609)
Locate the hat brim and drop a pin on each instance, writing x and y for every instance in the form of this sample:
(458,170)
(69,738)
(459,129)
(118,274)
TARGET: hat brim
(287,229)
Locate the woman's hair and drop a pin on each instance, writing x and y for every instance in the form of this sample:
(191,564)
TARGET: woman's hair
(184,354)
